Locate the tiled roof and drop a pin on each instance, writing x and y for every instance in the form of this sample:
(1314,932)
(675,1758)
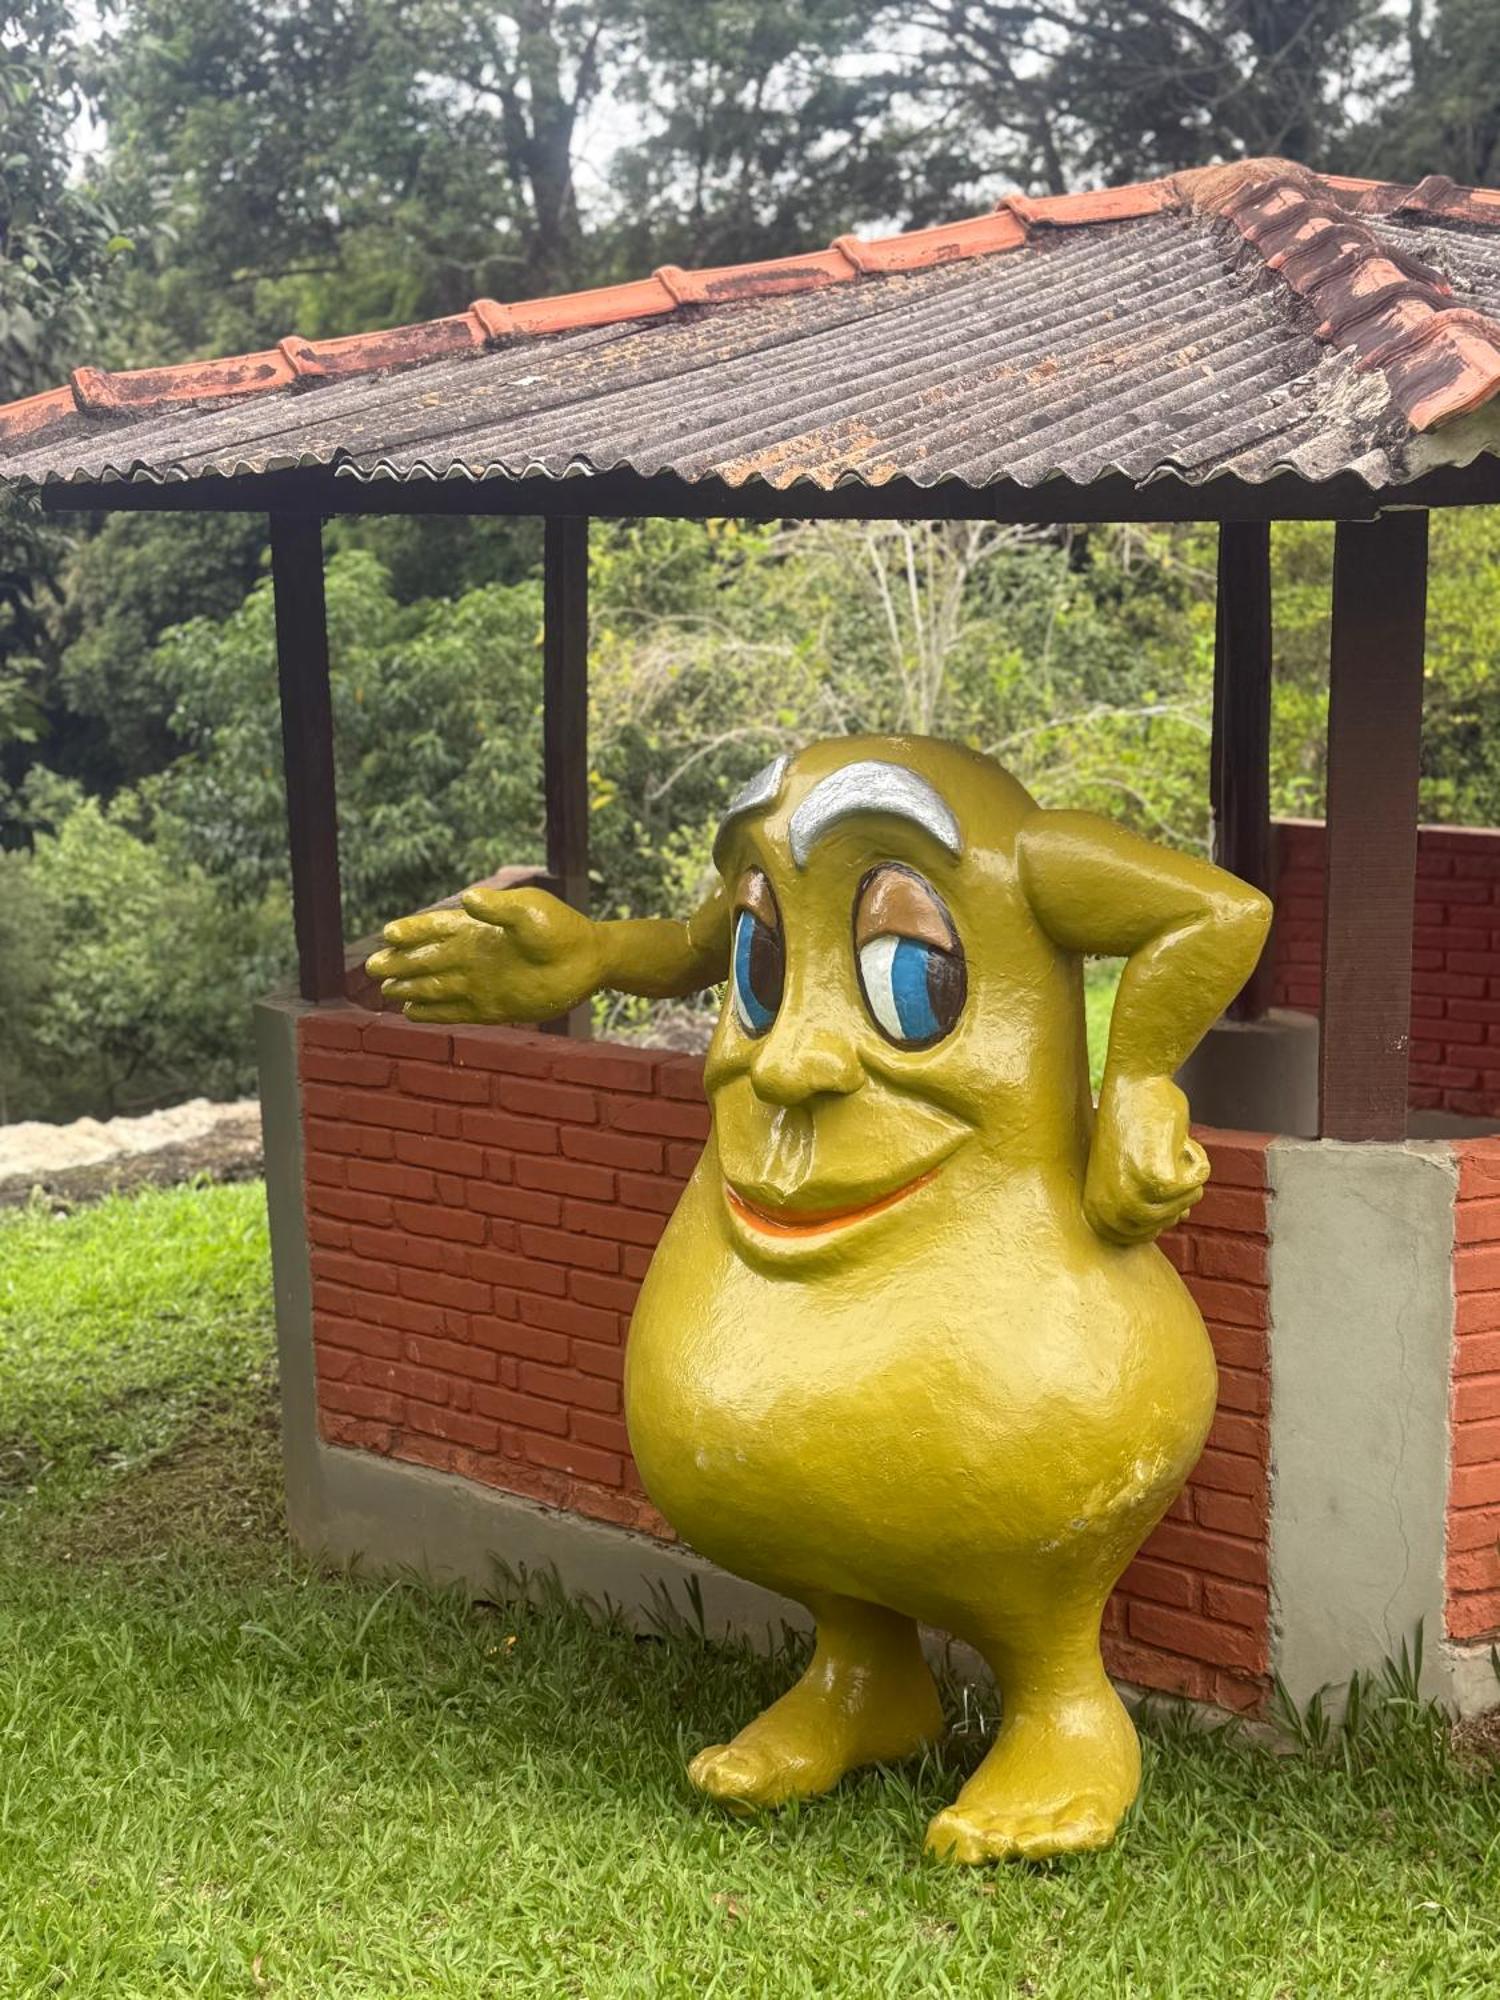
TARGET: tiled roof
(1249,320)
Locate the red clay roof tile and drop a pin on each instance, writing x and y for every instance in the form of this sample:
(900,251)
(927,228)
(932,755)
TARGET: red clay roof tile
(1321,237)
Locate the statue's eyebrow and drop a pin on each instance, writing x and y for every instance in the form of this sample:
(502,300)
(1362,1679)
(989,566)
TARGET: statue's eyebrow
(754,796)
(866,787)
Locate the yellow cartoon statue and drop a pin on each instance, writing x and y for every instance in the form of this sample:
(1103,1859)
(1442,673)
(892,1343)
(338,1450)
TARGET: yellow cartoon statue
(907,1351)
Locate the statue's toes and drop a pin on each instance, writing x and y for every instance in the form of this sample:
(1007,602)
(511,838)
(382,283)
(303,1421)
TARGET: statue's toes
(972,1835)
(735,1777)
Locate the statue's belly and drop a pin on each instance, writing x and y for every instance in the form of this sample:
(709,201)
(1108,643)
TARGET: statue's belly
(899,1442)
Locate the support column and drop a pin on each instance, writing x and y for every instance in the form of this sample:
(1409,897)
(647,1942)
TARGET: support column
(307,752)
(565,717)
(1374,755)
(1240,758)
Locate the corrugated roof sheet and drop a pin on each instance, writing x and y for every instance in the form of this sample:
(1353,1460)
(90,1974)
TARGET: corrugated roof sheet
(1250,321)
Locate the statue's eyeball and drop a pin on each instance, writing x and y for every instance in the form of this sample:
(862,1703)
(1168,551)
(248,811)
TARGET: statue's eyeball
(758,971)
(911,964)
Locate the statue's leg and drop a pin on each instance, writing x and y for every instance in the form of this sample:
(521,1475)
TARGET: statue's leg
(867,1698)
(1066,1763)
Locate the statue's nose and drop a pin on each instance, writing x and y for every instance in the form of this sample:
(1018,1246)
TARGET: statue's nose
(796,1062)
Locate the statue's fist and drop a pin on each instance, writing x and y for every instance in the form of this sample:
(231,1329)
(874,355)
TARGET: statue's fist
(507,955)
(1145,1168)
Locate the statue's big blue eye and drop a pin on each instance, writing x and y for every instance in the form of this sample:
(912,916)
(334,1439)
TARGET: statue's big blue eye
(914,990)
(759,972)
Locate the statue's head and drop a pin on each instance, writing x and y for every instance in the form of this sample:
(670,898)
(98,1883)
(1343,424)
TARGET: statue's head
(896,1024)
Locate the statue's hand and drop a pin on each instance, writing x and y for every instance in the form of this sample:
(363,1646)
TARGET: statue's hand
(507,955)
(1145,1169)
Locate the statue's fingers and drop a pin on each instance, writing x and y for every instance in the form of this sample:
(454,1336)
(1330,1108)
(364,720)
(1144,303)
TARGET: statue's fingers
(429,986)
(410,961)
(515,911)
(426,927)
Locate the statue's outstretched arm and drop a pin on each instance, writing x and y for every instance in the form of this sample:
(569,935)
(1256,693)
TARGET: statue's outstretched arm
(1190,935)
(510,955)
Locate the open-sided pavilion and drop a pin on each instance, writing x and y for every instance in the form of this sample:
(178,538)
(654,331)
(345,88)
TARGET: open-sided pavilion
(460,1217)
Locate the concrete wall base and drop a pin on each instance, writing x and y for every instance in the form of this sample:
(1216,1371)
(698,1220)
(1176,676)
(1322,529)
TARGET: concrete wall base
(1257,1076)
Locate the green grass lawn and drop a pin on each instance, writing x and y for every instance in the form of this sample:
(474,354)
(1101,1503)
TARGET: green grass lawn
(222,1773)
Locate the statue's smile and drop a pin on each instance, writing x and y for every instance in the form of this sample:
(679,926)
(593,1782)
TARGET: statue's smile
(815,1222)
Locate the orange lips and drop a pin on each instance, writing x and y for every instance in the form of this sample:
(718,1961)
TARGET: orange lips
(814,1222)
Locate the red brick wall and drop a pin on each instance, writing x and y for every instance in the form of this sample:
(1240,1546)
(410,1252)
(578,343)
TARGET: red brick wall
(1474,1480)
(482,1205)
(1455,988)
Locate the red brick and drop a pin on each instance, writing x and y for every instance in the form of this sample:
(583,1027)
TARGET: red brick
(327,1170)
(1474,1485)
(453,1225)
(616,1224)
(566,1177)
(1196,1638)
(527,1274)
(614,1294)
(381,1177)
(588,1392)
(454,1426)
(403,1380)
(516,1052)
(1476,1397)
(1238,1258)
(512,1337)
(1474,1617)
(490,1197)
(421,1253)
(455,1086)
(635,1260)
(1219,1555)
(1235,1305)
(415,1449)
(660,1117)
(682,1159)
(1476,1444)
(1234,1692)
(564,1102)
(1239,1210)
(342,1028)
(554,1246)
(449,1156)
(389,1309)
(592,1427)
(350,1206)
(1237,1159)
(681,1077)
(1456,985)
(1244,1389)
(386,1109)
(568,1455)
(1168,1673)
(1229,1513)
(1233,1431)
(1478,1169)
(593,1358)
(337,1364)
(340,1269)
(1163,1583)
(517,1135)
(366,1142)
(607,1066)
(357,1401)
(1474,1528)
(1236,1604)
(516,1204)
(327,1234)
(1478,1353)
(393,1035)
(443,1289)
(567,1316)
(355,1432)
(356,1336)
(1228,1472)
(647,1191)
(339,1066)
(1239,1346)
(452,1357)
(1474,1569)
(612,1149)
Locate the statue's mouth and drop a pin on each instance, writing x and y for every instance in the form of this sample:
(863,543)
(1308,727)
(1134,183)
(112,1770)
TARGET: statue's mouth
(804,1222)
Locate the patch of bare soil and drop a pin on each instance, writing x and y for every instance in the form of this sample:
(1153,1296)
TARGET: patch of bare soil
(231,1151)
(1476,1740)
(218,1493)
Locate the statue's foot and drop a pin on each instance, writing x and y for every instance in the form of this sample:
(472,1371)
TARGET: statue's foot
(855,1705)
(1056,1782)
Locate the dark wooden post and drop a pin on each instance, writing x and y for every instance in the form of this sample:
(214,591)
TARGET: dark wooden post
(565,716)
(1240,757)
(307,752)
(1374,757)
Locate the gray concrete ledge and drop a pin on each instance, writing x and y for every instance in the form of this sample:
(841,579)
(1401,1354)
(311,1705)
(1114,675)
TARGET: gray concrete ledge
(1256,1076)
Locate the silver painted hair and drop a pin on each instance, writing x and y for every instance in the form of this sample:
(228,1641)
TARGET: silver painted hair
(872,786)
(755,795)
